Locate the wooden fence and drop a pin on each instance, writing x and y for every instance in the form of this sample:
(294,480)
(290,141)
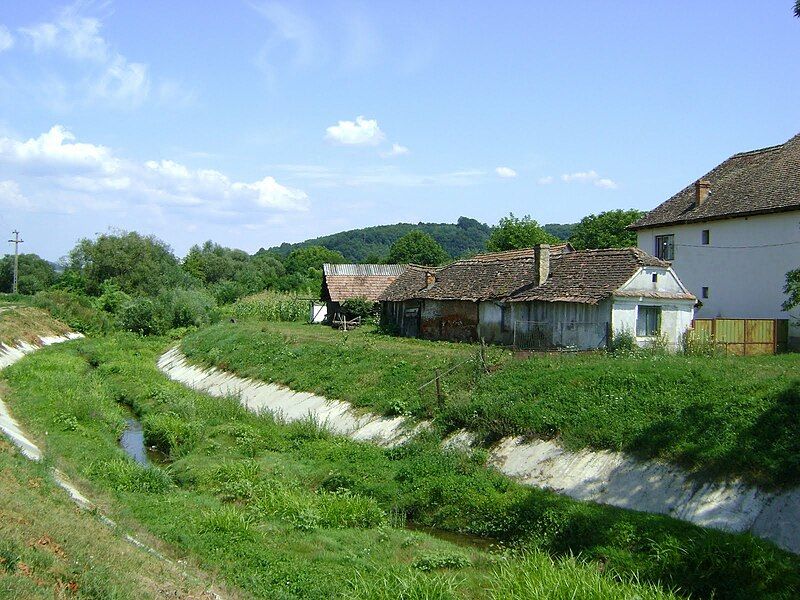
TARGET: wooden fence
(744,337)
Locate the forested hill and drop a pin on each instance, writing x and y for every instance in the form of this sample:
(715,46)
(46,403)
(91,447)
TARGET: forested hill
(371,244)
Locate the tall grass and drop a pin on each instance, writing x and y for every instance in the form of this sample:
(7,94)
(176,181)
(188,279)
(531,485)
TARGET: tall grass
(271,306)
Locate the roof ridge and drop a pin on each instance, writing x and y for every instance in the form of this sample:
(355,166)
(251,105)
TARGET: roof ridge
(758,151)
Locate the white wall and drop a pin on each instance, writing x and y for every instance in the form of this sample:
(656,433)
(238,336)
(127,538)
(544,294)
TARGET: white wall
(676,318)
(743,281)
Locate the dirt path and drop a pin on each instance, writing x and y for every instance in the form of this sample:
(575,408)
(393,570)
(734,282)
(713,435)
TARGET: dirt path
(599,476)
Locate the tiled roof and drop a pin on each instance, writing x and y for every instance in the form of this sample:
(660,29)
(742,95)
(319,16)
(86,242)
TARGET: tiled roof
(749,183)
(522,253)
(340,282)
(482,277)
(588,276)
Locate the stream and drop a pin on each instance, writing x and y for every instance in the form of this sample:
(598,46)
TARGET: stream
(132,442)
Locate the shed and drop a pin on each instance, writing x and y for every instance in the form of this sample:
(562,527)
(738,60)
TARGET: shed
(345,281)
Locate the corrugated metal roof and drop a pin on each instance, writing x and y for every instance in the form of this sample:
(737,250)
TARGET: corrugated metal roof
(363,270)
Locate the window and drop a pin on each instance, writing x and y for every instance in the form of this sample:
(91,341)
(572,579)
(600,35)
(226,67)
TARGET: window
(648,321)
(705,292)
(705,238)
(655,277)
(665,247)
(505,317)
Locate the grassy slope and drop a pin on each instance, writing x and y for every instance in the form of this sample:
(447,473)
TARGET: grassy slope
(17,323)
(728,416)
(287,511)
(51,549)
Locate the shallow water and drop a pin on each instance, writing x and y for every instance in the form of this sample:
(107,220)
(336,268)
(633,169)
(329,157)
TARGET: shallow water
(132,441)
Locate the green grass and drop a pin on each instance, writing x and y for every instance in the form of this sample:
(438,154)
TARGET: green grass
(50,549)
(289,511)
(18,323)
(722,416)
(271,306)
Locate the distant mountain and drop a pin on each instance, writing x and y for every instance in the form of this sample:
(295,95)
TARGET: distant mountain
(371,244)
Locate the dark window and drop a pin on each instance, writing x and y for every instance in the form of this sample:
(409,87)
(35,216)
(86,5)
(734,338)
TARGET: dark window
(655,277)
(706,237)
(505,317)
(705,292)
(665,247)
(648,321)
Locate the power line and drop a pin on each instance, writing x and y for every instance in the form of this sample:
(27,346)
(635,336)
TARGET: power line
(736,247)
(16,241)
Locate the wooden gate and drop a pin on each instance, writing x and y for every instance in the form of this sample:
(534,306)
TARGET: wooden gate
(744,337)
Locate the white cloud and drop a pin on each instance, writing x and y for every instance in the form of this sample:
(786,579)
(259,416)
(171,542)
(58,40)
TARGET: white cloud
(90,175)
(589,177)
(70,35)
(397,150)
(606,183)
(11,197)
(505,172)
(103,74)
(6,39)
(361,132)
(55,150)
(546,180)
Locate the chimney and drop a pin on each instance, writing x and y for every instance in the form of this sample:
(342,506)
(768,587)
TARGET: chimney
(702,188)
(430,278)
(541,253)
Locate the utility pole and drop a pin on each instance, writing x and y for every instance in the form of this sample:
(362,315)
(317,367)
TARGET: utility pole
(16,241)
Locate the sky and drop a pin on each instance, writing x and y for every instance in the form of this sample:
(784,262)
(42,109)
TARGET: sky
(252,123)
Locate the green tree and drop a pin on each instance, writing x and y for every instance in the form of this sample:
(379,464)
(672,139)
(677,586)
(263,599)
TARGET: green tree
(418,248)
(311,257)
(513,233)
(605,230)
(139,265)
(35,274)
(792,289)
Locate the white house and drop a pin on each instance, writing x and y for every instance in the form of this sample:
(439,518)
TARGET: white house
(734,234)
(541,298)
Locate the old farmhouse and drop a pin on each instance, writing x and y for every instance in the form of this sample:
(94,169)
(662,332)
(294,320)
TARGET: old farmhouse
(542,297)
(734,234)
(342,282)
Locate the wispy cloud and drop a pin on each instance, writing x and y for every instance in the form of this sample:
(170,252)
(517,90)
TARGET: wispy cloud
(396,150)
(104,75)
(589,177)
(6,39)
(505,172)
(389,176)
(289,29)
(361,132)
(66,174)
(546,180)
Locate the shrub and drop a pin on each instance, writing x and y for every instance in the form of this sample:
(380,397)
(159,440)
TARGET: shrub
(74,310)
(143,316)
(622,341)
(358,307)
(187,308)
(170,433)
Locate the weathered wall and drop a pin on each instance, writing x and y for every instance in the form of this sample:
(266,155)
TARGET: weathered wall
(451,320)
(561,324)
(676,318)
(491,327)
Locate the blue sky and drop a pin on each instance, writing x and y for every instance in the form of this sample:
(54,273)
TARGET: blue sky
(253,123)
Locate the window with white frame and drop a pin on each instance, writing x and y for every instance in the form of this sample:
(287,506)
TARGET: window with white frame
(648,321)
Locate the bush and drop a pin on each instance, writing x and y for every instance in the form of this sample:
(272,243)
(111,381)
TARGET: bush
(143,316)
(74,310)
(187,308)
(358,307)
(440,560)
(170,433)
(623,341)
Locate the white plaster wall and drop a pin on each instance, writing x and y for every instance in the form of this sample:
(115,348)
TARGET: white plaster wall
(676,318)
(743,281)
(490,317)
(667,281)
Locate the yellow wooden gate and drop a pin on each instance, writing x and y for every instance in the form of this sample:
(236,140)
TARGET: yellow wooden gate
(744,337)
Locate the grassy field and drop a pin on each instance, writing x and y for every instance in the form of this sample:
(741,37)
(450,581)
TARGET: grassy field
(722,416)
(288,511)
(51,549)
